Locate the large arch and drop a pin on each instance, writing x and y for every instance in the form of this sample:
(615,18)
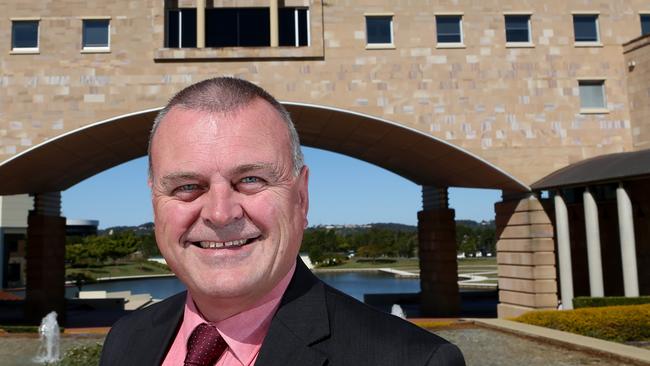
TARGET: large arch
(61,162)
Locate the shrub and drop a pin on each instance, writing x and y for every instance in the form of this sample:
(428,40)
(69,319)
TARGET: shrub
(20,328)
(82,356)
(615,323)
(590,302)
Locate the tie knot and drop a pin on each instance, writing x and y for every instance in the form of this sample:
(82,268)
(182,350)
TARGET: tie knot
(205,346)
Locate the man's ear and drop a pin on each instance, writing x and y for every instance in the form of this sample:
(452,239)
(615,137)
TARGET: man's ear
(303,190)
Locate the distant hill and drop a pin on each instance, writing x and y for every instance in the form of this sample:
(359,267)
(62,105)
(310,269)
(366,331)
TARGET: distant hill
(148,228)
(144,229)
(348,229)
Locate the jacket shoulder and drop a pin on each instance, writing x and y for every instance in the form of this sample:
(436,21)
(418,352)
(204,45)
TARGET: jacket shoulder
(157,323)
(381,338)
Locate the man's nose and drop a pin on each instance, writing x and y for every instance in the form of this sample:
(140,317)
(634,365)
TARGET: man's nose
(221,207)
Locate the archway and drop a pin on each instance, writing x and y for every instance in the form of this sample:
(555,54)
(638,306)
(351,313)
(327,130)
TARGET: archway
(61,162)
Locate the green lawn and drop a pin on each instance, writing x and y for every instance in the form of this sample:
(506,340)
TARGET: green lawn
(399,263)
(140,268)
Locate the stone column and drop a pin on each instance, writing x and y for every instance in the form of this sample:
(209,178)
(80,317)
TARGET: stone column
(593,245)
(525,256)
(564,251)
(437,252)
(628,244)
(275,25)
(200,23)
(45,258)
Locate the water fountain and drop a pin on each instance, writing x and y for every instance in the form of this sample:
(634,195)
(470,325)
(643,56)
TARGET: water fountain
(397,311)
(48,351)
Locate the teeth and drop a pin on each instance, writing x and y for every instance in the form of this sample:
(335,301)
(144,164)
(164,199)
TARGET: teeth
(221,244)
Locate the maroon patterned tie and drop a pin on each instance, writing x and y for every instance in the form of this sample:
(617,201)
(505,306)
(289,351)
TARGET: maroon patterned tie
(205,346)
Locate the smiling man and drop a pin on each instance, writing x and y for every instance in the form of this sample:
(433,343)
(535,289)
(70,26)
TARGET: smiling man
(230,197)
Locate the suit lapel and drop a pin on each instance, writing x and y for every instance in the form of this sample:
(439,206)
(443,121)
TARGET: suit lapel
(148,346)
(300,322)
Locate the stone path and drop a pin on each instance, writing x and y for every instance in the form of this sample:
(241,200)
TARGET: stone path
(486,347)
(481,347)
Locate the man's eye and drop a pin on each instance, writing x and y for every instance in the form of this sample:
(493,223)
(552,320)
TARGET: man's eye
(186,188)
(250,184)
(251,180)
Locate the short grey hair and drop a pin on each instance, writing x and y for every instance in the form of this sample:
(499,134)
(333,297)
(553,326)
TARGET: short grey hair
(227,94)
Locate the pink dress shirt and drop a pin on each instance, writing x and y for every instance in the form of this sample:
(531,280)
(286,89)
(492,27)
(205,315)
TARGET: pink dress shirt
(244,332)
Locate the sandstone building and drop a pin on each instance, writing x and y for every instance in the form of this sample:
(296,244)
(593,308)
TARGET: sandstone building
(467,93)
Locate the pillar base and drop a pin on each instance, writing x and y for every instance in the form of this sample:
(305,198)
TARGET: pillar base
(438,266)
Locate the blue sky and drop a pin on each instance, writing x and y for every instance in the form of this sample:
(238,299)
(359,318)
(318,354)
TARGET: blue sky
(343,190)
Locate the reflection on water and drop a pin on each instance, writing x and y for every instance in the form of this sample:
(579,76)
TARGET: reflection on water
(356,284)
(353,283)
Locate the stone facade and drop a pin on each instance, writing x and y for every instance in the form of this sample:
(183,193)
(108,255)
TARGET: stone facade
(517,107)
(637,61)
(525,257)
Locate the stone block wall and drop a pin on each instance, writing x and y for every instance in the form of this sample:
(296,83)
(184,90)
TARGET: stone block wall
(637,65)
(525,257)
(517,107)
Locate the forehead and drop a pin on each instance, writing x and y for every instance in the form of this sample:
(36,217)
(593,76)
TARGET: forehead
(253,129)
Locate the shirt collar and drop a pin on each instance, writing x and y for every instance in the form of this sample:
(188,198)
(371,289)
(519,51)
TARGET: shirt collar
(245,331)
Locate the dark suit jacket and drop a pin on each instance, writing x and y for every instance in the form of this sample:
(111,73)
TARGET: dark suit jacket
(314,325)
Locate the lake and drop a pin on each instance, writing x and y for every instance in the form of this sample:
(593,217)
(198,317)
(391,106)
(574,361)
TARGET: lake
(355,284)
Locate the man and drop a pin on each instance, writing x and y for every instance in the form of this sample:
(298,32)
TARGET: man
(230,198)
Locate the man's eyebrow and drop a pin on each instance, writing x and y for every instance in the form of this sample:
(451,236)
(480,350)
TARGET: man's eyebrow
(269,167)
(168,179)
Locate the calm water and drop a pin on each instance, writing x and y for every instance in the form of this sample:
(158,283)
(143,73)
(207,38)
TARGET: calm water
(353,283)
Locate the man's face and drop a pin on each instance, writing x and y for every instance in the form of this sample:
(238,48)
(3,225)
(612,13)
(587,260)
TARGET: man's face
(229,212)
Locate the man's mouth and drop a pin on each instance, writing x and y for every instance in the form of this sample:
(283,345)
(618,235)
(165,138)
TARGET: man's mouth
(223,244)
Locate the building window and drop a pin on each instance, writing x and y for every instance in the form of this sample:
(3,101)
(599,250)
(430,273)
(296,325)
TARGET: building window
(645,24)
(237,27)
(293,24)
(449,29)
(379,30)
(517,28)
(96,34)
(24,35)
(585,28)
(181,28)
(592,94)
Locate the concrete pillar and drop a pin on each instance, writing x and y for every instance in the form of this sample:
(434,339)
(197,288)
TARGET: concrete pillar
(437,252)
(564,251)
(628,245)
(593,245)
(525,256)
(275,25)
(200,23)
(45,258)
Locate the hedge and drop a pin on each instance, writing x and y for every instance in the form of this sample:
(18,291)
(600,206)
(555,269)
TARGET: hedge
(82,356)
(615,323)
(590,302)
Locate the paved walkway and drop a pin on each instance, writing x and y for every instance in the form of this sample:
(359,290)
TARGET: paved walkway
(484,342)
(589,344)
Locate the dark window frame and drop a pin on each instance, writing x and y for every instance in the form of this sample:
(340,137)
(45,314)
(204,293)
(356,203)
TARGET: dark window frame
(514,30)
(85,44)
(17,43)
(295,33)
(446,37)
(177,30)
(376,30)
(645,24)
(580,22)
